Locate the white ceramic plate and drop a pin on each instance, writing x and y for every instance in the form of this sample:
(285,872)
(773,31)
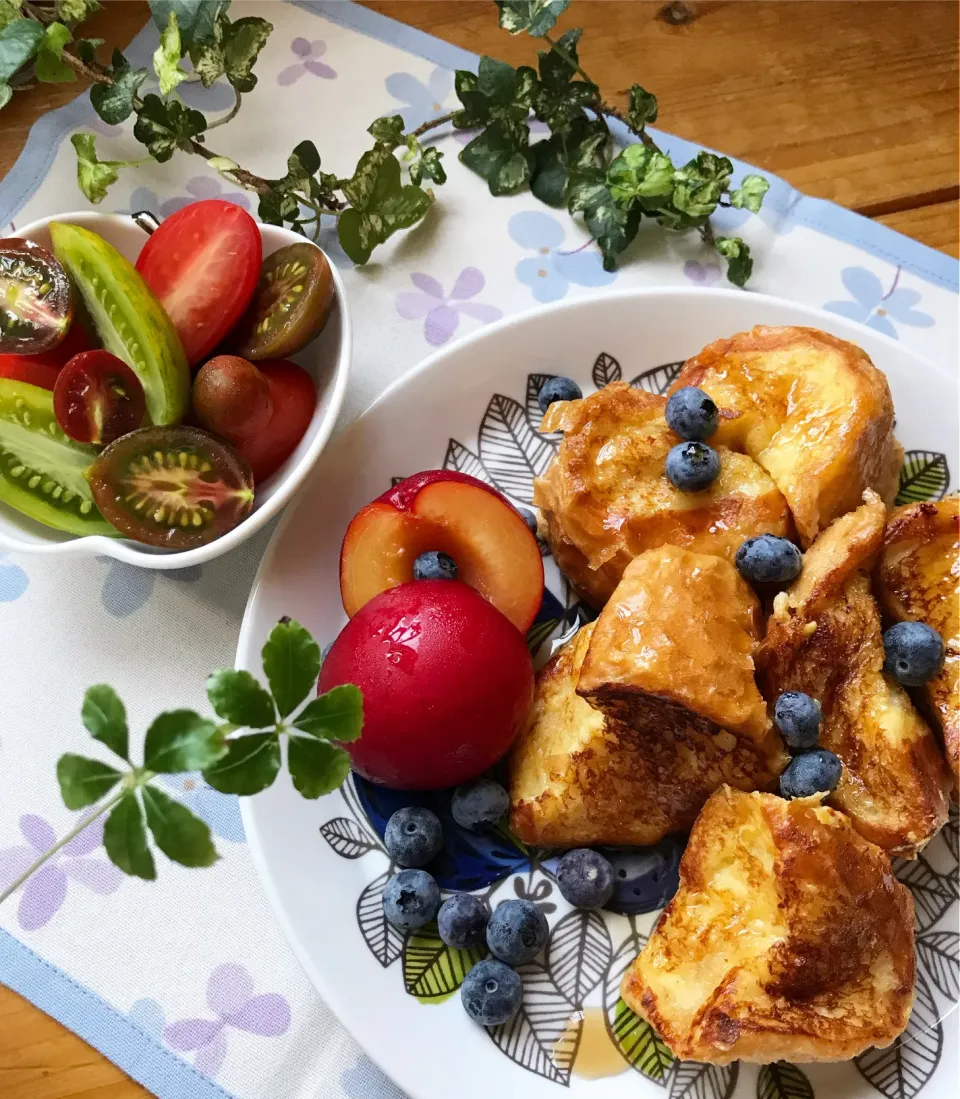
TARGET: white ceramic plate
(472,407)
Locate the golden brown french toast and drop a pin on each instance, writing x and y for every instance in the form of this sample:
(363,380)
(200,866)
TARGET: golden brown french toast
(578,778)
(605,497)
(918,578)
(824,638)
(812,409)
(788,939)
(675,644)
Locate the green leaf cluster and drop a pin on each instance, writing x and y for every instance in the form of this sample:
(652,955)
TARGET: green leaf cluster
(94,176)
(231,761)
(536,17)
(114,102)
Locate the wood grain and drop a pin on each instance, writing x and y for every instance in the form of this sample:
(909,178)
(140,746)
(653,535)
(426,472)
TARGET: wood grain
(855,102)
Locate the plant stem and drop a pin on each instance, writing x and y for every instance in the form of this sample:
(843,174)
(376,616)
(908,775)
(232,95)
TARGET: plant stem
(92,72)
(34,867)
(706,235)
(229,116)
(432,124)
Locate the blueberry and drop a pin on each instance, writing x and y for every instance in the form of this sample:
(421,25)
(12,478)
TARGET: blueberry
(530,518)
(585,878)
(413,836)
(768,559)
(645,878)
(914,653)
(435,565)
(491,993)
(798,718)
(411,899)
(463,920)
(558,389)
(816,772)
(517,932)
(480,806)
(692,466)
(692,414)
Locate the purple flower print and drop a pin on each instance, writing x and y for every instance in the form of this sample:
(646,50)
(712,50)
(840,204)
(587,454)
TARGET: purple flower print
(308,54)
(44,892)
(231,999)
(700,273)
(876,309)
(442,313)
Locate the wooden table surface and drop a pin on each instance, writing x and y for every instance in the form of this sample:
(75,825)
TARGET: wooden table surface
(853,101)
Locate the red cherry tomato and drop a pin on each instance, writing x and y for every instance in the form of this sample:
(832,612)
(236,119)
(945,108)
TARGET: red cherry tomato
(203,264)
(293,398)
(25,368)
(97,398)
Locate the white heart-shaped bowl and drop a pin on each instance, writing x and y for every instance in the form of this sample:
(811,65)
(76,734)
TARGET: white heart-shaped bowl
(327,359)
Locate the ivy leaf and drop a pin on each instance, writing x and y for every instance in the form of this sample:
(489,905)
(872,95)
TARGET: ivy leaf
(19,42)
(428,167)
(86,49)
(76,11)
(237,697)
(498,92)
(561,98)
(250,765)
(643,107)
(749,195)
(84,781)
(278,206)
(164,127)
(387,130)
(102,713)
(316,766)
(336,715)
(181,740)
(739,260)
(380,206)
(196,18)
(9,10)
(242,42)
(698,186)
(536,17)
(643,175)
(180,835)
(291,660)
(500,156)
(114,102)
(612,224)
(95,176)
(50,66)
(125,839)
(6,94)
(581,148)
(166,58)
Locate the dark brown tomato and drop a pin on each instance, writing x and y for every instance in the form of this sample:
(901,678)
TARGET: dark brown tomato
(290,305)
(97,398)
(231,397)
(174,487)
(36,298)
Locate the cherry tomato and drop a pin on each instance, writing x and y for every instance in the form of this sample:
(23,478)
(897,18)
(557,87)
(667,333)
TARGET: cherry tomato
(36,298)
(294,399)
(175,487)
(98,398)
(25,368)
(293,300)
(231,397)
(203,264)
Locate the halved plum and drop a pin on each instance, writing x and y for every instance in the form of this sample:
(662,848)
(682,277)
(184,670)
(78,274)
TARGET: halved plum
(443,510)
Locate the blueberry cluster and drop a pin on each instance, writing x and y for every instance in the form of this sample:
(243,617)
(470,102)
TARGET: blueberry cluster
(516,931)
(692,465)
(812,770)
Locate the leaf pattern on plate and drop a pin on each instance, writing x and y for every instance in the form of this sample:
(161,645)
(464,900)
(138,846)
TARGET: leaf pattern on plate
(692,1080)
(783,1081)
(544,1035)
(659,378)
(349,792)
(536,382)
(924,475)
(579,952)
(549,618)
(932,893)
(383,939)
(347,838)
(951,832)
(459,458)
(433,971)
(901,1070)
(606,369)
(939,951)
(512,449)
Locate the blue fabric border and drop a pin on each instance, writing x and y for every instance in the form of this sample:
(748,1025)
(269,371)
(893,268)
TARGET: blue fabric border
(140,1055)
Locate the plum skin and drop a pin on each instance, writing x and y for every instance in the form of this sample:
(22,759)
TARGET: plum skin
(447,684)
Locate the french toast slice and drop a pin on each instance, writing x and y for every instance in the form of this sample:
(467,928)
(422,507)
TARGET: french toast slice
(812,409)
(788,939)
(605,498)
(918,579)
(578,778)
(824,638)
(675,645)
